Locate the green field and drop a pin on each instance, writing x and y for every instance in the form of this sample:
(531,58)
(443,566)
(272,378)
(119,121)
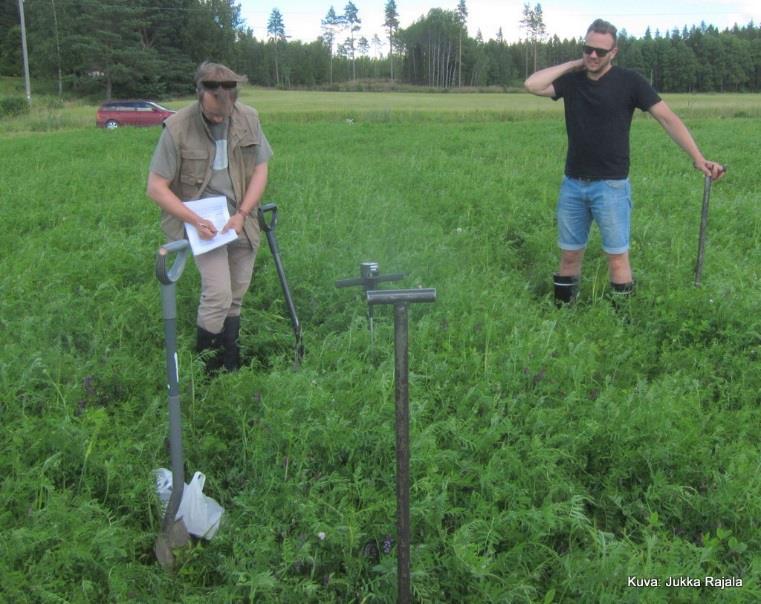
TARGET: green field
(50,113)
(555,453)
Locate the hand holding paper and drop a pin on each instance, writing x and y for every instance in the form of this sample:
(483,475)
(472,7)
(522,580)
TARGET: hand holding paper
(235,223)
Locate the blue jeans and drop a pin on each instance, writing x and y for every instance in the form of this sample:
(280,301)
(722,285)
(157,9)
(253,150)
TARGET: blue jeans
(607,202)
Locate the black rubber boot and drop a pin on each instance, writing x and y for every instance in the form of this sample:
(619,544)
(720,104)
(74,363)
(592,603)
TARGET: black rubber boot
(231,354)
(210,344)
(620,295)
(566,289)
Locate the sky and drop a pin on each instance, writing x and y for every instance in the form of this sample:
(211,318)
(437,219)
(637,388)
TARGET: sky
(566,19)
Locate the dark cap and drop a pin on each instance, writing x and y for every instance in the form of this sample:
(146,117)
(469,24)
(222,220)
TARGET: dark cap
(217,72)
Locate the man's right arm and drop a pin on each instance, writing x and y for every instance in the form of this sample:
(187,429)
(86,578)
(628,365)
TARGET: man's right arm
(540,82)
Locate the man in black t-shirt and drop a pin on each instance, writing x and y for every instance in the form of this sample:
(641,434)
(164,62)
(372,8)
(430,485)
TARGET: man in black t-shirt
(600,100)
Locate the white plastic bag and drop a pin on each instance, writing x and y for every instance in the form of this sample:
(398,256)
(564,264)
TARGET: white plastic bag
(200,514)
(163,486)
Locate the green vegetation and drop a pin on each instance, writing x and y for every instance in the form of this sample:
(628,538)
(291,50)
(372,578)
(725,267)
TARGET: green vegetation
(555,453)
(12,106)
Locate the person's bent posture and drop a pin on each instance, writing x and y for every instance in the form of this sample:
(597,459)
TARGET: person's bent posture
(600,100)
(214,147)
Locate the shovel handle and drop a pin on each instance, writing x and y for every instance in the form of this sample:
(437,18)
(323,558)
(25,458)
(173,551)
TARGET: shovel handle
(263,224)
(168,275)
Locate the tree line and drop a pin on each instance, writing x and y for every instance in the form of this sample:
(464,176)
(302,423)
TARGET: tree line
(150,48)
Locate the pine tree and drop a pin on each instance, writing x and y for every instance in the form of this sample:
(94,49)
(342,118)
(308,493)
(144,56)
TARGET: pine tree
(352,21)
(276,32)
(392,26)
(462,18)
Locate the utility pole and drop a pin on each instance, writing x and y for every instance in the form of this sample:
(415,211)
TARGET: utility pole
(26,54)
(58,50)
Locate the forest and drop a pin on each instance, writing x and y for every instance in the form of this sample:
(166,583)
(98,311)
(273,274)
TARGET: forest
(118,48)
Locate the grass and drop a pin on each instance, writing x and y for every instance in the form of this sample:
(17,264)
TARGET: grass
(555,453)
(51,113)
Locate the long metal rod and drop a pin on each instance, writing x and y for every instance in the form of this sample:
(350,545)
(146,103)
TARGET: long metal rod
(401,343)
(703,231)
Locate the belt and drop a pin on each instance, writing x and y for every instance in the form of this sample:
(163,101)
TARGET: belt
(584,179)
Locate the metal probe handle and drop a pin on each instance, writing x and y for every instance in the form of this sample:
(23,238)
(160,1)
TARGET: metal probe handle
(401,296)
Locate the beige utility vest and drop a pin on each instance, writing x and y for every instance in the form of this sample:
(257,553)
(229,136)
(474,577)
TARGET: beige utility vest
(195,154)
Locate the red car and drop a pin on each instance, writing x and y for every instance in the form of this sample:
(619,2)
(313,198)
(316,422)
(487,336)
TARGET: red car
(113,114)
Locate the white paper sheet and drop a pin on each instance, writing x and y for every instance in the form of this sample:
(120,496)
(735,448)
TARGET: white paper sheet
(213,209)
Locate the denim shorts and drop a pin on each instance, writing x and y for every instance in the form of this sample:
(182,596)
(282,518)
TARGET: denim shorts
(607,202)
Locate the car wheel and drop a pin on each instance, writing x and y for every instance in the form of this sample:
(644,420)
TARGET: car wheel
(112,124)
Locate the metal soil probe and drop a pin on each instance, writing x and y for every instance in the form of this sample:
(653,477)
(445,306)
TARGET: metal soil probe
(369,278)
(269,230)
(173,532)
(704,227)
(401,298)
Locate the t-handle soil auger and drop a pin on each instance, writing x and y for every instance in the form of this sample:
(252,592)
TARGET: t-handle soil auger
(369,278)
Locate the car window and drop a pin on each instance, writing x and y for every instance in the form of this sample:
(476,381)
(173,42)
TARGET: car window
(156,106)
(118,107)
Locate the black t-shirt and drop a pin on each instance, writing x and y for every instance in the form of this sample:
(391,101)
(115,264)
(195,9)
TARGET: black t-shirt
(598,117)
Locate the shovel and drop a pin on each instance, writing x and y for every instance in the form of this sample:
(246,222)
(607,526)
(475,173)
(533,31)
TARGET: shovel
(269,230)
(173,532)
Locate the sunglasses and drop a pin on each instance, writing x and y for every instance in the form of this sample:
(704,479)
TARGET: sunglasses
(600,52)
(212,85)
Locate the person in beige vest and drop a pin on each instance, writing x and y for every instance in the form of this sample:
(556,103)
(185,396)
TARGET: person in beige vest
(214,147)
